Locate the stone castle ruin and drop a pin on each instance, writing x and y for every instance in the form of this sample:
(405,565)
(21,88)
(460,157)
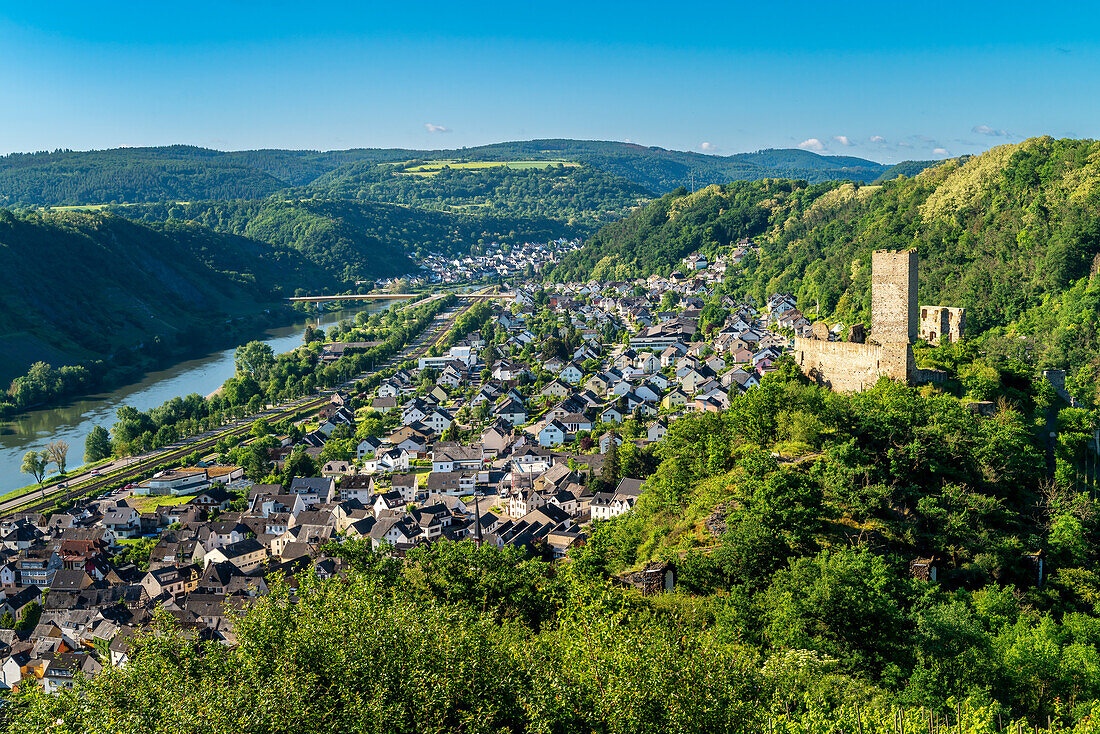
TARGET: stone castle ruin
(887,350)
(939,324)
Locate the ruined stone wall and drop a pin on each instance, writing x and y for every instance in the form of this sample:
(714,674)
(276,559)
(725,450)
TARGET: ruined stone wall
(940,324)
(853,367)
(894,296)
(928,376)
(849,367)
(1057,380)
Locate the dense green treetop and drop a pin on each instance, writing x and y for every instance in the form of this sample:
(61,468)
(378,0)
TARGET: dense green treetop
(803,509)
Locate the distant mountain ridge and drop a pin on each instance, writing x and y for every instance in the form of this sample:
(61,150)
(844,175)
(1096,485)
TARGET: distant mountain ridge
(189,173)
(238,230)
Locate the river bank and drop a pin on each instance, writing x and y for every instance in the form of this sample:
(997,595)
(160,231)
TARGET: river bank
(128,365)
(71,420)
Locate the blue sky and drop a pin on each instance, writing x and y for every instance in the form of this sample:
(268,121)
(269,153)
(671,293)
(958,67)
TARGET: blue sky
(886,81)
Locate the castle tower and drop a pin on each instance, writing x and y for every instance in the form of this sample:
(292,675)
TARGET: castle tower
(894,296)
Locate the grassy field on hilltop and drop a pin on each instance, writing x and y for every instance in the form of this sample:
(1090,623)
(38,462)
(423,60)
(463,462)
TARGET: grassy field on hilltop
(580,195)
(432,167)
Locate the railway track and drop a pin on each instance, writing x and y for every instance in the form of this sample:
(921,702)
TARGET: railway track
(431,336)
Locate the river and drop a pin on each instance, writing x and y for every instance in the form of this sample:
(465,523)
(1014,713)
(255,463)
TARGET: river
(72,421)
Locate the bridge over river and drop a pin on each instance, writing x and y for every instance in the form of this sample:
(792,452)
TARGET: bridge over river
(389,296)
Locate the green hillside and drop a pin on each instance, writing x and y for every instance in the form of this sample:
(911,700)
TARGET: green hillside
(354,240)
(88,284)
(908,168)
(580,195)
(792,520)
(188,173)
(173,173)
(795,517)
(656,237)
(1012,235)
(662,170)
(161,275)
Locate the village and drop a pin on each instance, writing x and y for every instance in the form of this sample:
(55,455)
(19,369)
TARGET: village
(541,420)
(492,262)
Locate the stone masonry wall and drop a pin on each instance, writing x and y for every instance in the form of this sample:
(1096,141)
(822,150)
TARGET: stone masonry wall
(854,367)
(942,324)
(894,296)
(849,367)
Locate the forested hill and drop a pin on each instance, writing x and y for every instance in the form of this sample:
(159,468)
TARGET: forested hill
(582,196)
(173,173)
(81,285)
(188,173)
(655,238)
(1012,235)
(663,170)
(353,240)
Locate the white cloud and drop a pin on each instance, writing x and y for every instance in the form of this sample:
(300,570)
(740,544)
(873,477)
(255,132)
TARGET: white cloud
(707,146)
(939,151)
(877,139)
(436,128)
(812,144)
(842,139)
(987,130)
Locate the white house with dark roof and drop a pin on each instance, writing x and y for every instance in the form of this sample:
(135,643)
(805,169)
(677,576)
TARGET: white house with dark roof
(607,505)
(367,447)
(572,373)
(511,410)
(456,458)
(439,420)
(553,433)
